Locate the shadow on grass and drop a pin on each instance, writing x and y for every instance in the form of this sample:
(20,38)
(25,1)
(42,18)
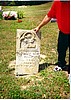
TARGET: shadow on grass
(45,65)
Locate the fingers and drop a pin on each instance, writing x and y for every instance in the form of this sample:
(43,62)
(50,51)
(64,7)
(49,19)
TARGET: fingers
(36,30)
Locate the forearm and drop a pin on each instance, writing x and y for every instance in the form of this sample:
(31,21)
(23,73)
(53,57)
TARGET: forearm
(44,21)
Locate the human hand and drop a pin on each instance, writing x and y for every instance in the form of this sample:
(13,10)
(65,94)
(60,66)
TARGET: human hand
(36,29)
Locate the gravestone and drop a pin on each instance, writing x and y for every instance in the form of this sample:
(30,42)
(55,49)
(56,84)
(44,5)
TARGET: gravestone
(27,52)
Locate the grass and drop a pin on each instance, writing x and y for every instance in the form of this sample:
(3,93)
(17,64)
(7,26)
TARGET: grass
(47,83)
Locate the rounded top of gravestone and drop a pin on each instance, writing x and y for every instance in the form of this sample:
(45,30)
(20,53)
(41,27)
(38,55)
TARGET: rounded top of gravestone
(29,35)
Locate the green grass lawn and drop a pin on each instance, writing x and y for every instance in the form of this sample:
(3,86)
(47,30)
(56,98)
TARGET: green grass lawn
(47,83)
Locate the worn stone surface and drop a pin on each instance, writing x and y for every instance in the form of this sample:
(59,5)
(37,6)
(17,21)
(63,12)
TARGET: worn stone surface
(27,52)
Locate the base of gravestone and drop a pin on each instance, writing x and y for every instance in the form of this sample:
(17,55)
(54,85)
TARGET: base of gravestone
(42,65)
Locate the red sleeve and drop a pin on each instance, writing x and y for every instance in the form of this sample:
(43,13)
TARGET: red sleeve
(52,12)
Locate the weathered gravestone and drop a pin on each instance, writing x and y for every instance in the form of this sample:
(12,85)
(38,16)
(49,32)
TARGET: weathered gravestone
(27,52)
